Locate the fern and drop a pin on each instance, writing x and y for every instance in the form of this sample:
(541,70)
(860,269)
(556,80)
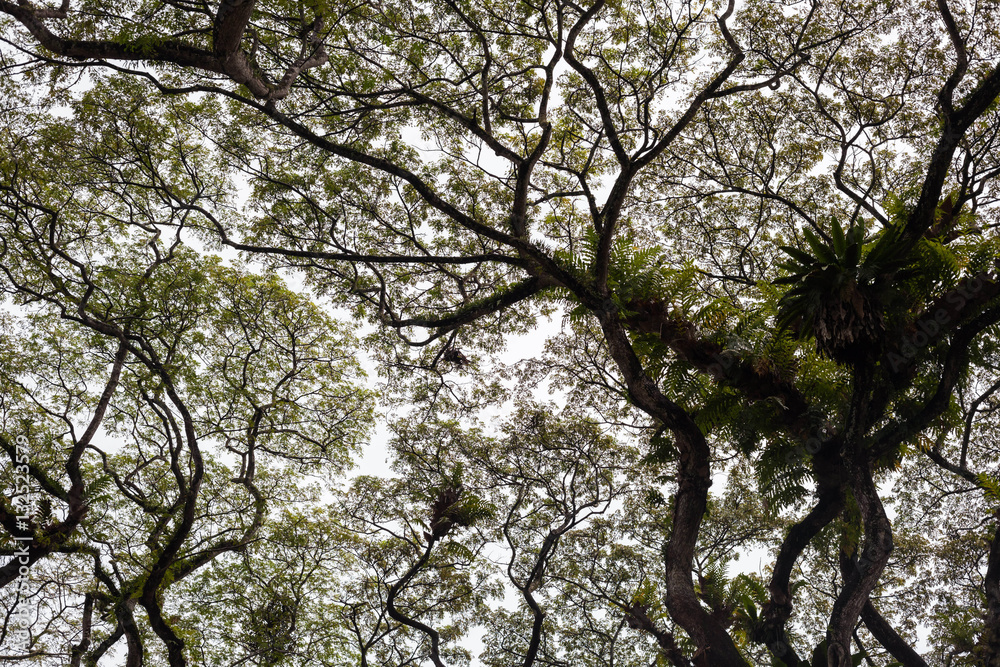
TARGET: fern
(721,407)
(97,491)
(990,486)
(782,474)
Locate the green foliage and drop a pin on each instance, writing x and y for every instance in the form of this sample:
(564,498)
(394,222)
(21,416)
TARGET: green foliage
(990,486)
(200,208)
(835,294)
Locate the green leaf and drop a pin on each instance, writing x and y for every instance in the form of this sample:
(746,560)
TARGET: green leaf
(805,258)
(839,242)
(822,251)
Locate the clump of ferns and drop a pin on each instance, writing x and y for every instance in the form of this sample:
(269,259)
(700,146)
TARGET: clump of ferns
(638,271)
(641,273)
(452,506)
(851,293)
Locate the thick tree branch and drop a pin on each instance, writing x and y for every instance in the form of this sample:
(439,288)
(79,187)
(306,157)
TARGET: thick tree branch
(956,123)
(862,579)
(828,469)
(753,377)
(226,57)
(398,616)
(901,430)
(637,618)
(690,501)
(886,636)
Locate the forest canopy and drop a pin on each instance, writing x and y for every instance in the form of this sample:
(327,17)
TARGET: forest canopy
(760,241)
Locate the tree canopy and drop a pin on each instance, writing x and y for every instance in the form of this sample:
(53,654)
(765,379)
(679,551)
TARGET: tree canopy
(761,240)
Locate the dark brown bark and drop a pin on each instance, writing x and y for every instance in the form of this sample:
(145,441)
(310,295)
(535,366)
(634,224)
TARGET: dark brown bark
(889,638)
(987,650)
(899,430)
(956,123)
(50,538)
(77,651)
(166,559)
(226,57)
(754,377)
(398,616)
(715,646)
(829,504)
(133,639)
(177,53)
(862,579)
(637,618)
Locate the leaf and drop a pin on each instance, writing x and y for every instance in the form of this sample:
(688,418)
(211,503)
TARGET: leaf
(805,258)
(839,242)
(853,253)
(823,252)
(990,486)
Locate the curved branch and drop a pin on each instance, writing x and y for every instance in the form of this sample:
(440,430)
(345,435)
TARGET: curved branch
(690,502)
(166,51)
(755,380)
(955,125)
(861,579)
(473,311)
(889,638)
(962,64)
(398,616)
(226,57)
(828,469)
(900,430)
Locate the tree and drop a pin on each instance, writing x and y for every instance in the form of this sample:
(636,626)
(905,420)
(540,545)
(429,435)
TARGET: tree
(772,231)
